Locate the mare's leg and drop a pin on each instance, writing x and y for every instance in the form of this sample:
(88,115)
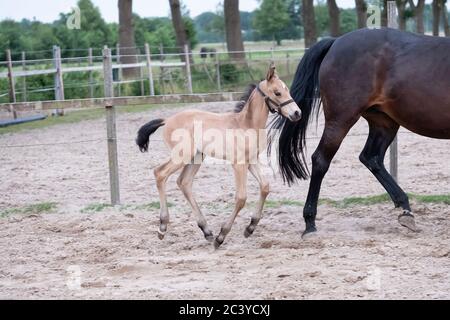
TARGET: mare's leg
(162,173)
(382,130)
(185,183)
(255,170)
(333,134)
(240,175)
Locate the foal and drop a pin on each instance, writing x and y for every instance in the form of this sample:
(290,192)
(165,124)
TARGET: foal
(192,134)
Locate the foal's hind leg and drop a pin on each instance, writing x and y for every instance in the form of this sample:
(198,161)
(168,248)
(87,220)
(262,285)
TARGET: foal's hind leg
(185,183)
(240,175)
(162,173)
(255,170)
(382,130)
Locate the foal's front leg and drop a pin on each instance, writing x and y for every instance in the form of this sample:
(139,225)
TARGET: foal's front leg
(240,175)
(185,184)
(255,170)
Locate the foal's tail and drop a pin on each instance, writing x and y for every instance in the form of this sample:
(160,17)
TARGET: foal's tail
(305,91)
(145,131)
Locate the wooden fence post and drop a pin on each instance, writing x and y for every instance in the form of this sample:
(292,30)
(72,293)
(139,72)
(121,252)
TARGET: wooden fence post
(91,74)
(58,78)
(219,85)
(12,87)
(188,68)
(161,52)
(119,71)
(141,73)
(24,78)
(111,128)
(393,149)
(288,66)
(149,70)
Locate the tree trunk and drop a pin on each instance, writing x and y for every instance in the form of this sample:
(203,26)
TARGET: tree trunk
(436,16)
(233,29)
(384,14)
(126,38)
(178,26)
(418,14)
(445,18)
(361,13)
(401,7)
(333,12)
(309,23)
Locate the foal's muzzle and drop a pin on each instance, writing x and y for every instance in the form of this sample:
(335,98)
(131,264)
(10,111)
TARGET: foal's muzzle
(296,116)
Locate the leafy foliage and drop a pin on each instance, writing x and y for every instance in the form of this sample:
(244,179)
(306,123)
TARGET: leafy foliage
(271,19)
(37,38)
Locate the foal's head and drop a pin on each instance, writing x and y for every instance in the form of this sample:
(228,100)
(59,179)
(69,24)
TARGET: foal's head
(277,96)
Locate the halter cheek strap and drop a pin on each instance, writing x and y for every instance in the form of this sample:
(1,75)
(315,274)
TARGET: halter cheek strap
(270,103)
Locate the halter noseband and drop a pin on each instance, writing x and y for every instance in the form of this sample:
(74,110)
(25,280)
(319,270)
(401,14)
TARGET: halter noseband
(269,101)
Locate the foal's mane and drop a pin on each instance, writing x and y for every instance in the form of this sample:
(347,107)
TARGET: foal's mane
(243,100)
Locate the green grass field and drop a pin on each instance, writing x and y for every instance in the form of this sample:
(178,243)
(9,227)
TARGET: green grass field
(366,201)
(51,207)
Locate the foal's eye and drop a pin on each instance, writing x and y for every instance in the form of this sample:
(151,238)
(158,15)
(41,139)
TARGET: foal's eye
(278,94)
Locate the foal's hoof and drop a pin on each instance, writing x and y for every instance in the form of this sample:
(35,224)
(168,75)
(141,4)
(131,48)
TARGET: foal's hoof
(248,232)
(406,219)
(161,235)
(309,233)
(209,237)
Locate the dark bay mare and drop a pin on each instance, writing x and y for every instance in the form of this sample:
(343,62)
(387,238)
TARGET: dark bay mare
(390,78)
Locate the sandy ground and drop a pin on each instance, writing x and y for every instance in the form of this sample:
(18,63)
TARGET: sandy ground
(359,252)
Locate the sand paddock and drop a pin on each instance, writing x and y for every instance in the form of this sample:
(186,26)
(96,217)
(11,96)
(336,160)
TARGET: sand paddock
(74,252)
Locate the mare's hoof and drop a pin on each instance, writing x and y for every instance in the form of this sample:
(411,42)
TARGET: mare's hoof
(309,233)
(406,219)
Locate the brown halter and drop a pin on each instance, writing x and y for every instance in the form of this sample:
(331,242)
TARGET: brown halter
(269,101)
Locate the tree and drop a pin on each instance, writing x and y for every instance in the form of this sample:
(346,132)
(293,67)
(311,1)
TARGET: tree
(293,30)
(361,13)
(94,31)
(401,7)
(333,12)
(384,14)
(436,6)
(155,32)
(126,38)
(418,14)
(179,27)
(271,18)
(309,23)
(233,28)
(348,20)
(445,18)
(210,27)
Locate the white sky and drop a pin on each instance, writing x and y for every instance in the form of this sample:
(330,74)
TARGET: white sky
(48,10)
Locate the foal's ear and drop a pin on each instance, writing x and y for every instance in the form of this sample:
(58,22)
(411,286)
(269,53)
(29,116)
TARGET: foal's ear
(271,73)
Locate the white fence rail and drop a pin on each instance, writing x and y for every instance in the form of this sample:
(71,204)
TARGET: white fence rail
(162,69)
